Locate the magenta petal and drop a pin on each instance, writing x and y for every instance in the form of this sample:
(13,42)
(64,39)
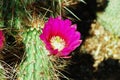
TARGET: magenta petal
(67,23)
(74,26)
(73,37)
(74,44)
(55,27)
(53,52)
(59,17)
(65,52)
(68,33)
(48,46)
(42,37)
(64,26)
(2,40)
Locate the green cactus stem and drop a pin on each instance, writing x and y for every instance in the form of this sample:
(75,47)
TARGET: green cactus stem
(37,65)
(110,19)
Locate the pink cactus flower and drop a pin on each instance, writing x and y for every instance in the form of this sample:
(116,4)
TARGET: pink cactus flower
(60,37)
(2,40)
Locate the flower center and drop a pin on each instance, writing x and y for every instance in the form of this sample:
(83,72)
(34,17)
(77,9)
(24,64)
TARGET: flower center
(57,43)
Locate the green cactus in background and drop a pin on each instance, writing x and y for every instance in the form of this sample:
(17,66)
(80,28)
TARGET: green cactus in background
(110,19)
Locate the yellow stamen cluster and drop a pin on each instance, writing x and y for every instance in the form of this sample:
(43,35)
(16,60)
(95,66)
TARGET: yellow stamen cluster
(57,43)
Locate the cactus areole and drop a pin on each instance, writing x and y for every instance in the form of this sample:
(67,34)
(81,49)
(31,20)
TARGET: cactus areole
(60,36)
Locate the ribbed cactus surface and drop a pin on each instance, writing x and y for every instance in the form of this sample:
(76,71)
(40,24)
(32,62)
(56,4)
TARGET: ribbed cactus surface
(37,65)
(110,19)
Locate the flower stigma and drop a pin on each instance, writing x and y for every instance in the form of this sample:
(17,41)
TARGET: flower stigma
(57,43)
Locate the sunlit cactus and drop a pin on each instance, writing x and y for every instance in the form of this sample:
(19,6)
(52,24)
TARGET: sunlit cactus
(110,19)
